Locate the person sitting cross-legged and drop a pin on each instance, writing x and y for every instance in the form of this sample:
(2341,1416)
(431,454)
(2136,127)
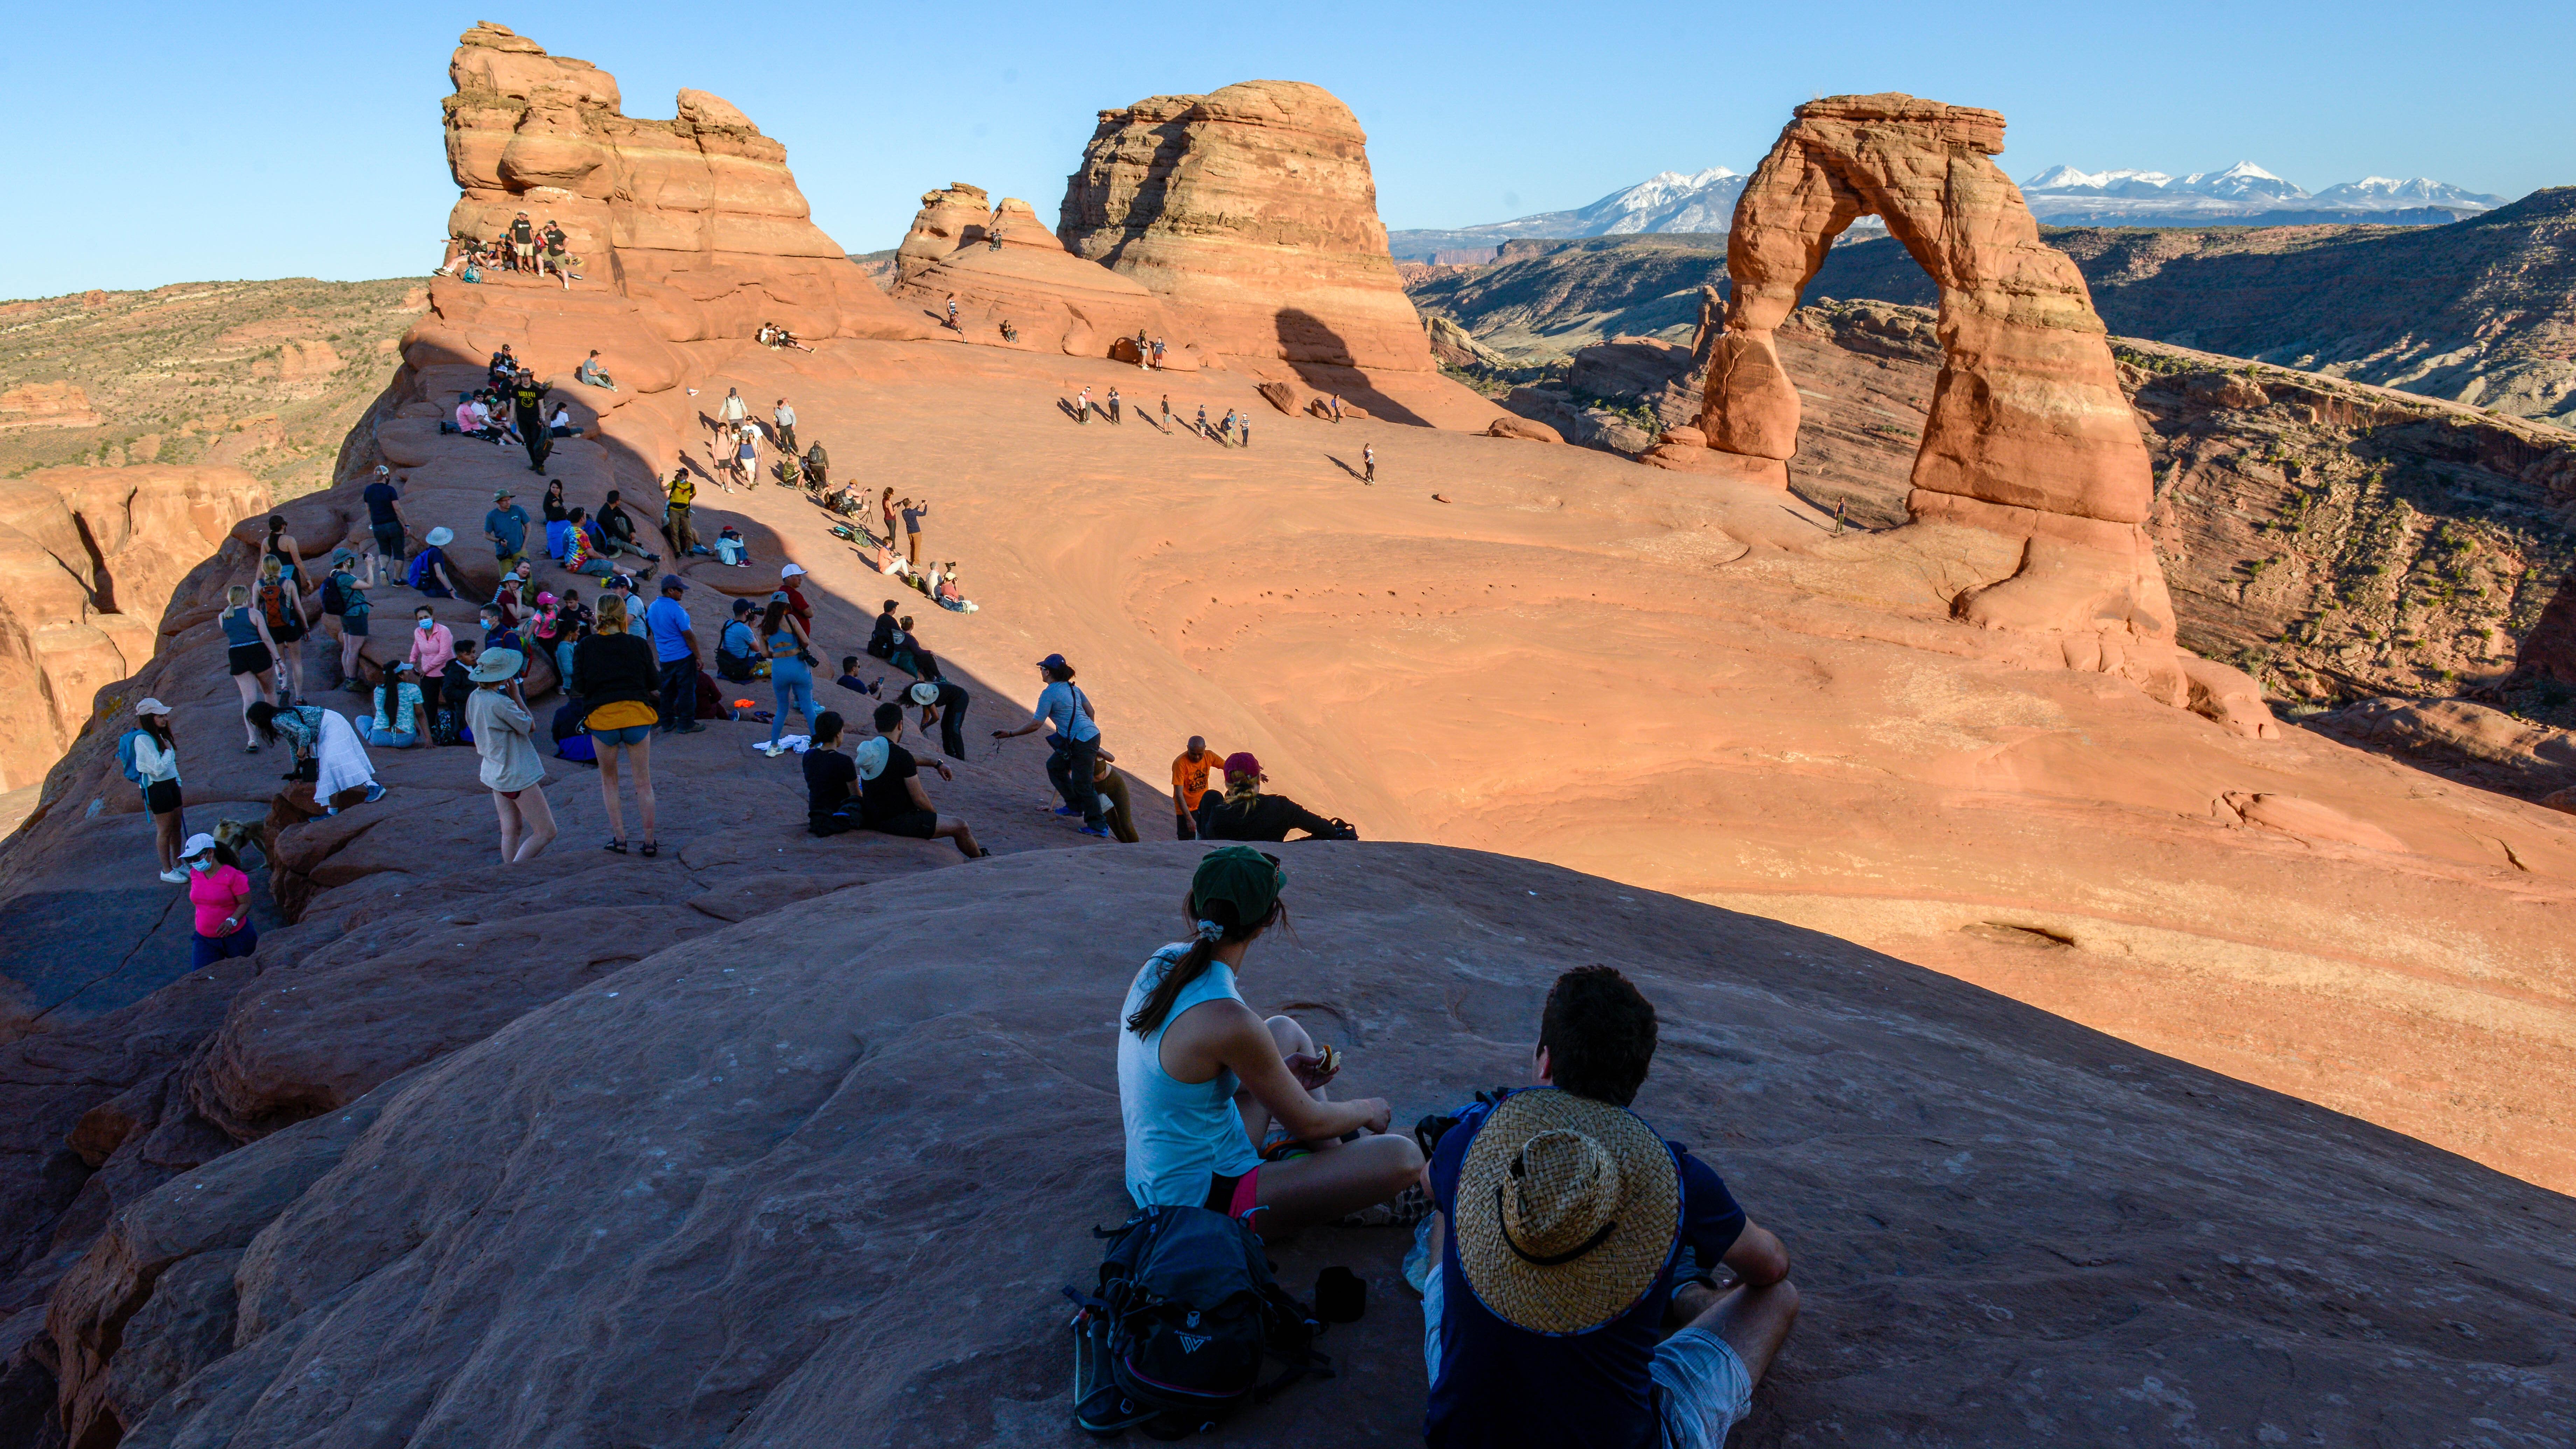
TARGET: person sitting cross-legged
(891,799)
(1225,1110)
(1570,1237)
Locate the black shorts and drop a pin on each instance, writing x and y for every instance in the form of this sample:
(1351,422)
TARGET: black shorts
(288,632)
(161,796)
(251,658)
(911,824)
(355,625)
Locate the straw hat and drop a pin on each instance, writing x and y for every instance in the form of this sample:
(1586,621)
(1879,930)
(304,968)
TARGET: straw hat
(1567,1211)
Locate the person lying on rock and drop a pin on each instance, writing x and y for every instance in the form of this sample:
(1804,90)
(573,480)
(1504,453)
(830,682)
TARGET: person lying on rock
(1228,1111)
(1242,812)
(891,799)
(1569,1237)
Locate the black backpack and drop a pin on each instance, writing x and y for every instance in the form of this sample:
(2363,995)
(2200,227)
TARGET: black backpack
(1173,1339)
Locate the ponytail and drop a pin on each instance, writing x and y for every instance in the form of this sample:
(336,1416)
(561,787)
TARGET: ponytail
(1227,930)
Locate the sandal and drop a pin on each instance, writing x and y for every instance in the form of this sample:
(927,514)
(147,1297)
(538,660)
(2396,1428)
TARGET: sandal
(652,847)
(617,846)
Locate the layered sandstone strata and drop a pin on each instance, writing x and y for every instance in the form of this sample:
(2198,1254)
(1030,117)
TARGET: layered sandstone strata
(1005,267)
(697,218)
(1252,212)
(2029,434)
(88,560)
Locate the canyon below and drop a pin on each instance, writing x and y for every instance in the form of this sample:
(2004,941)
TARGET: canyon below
(2081,766)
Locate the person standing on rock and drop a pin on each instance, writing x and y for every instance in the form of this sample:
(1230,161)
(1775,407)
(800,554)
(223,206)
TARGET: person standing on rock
(149,757)
(885,511)
(1113,405)
(1074,739)
(1569,1236)
(281,607)
(1202,425)
(1243,430)
(913,513)
(1337,407)
(818,469)
(746,453)
(507,526)
(1202,1080)
(952,314)
(677,521)
(791,678)
(613,673)
(731,411)
(523,244)
(790,584)
(251,656)
(344,597)
(1082,406)
(675,652)
(1167,413)
(784,418)
(556,260)
(530,397)
(384,517)
(505,736)
(1368,463)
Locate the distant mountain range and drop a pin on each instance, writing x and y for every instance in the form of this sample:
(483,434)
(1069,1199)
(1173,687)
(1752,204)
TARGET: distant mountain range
(2244,194)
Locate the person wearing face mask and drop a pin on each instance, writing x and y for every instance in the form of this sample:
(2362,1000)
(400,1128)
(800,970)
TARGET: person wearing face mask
(221,895)
(432,644)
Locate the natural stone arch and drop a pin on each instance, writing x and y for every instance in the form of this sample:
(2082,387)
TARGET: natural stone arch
(2029,434)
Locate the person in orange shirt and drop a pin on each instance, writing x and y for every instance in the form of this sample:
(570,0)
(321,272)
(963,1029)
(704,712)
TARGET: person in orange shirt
(1190,785)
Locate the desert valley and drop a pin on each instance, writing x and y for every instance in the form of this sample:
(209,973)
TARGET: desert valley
(2070,725)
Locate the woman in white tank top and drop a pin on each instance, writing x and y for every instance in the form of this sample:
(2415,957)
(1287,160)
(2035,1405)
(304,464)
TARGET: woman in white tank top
(1204,1084)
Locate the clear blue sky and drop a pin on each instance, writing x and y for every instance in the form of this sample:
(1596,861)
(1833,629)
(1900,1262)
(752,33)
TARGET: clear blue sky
(167,142)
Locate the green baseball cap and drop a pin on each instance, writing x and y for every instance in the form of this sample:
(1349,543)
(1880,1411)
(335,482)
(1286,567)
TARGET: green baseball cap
(1250,879)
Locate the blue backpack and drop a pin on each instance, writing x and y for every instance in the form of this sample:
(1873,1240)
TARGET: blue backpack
(1173,1339)
(125,756)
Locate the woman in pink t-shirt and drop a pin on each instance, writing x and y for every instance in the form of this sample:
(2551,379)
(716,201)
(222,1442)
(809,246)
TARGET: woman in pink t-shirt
(221,894)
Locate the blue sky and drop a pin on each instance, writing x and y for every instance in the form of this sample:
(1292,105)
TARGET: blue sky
(161,142)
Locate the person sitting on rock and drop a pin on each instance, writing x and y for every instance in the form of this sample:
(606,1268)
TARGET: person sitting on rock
(850,679)
(591,374)
(789,339)
(1242,812)
(1228,1111)
(831,805)
(581,555)
(881,638)
(731,550)
(401,712)
(617,530)
(1009,332)
(891,800)
(429,572)
(1569,1235)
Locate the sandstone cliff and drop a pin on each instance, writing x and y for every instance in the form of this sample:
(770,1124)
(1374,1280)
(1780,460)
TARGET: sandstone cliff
(89,558)
(695,219)
(1004,266)
(1252,209)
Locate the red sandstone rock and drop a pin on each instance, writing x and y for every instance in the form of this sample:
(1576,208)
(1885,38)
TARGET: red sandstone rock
(2029,433)
(88,560)
(1527,429)
(1252,212)
(1007,267)
(696,219)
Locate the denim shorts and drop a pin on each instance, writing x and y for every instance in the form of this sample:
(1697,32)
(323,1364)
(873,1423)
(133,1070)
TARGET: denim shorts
(629,735)
(1704,1391)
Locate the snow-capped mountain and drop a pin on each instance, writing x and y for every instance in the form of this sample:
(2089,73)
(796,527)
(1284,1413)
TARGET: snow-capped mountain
(2244,191)
(1704,201)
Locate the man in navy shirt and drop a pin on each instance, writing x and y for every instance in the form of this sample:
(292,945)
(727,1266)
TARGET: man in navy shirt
(1558,1257)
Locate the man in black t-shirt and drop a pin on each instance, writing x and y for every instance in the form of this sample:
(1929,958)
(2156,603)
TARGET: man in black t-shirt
(523,244)
(944,704)
(891,800)
(830,807)
(383,519)
(529,395)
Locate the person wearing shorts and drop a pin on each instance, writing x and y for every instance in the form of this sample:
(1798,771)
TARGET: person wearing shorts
(614,674)
(1570,1238)
(891,800)
(249,657)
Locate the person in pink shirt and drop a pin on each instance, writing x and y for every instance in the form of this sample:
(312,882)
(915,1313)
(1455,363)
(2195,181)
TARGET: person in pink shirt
(221,895)
(433,646)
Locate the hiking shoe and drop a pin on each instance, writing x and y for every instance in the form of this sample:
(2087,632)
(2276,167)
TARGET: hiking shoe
(1066,811)
(1101,831)
(375,792)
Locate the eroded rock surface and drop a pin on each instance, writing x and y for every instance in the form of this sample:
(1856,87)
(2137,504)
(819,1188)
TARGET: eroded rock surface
(697,219)
(1006,267)
(1251,212)
(830,1167)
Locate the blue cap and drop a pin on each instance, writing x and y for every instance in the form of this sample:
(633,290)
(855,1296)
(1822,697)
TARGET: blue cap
(1053,661)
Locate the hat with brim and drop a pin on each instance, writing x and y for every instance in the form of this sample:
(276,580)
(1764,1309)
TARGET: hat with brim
(496,665)
(1567,1211)
(924,693)
(197,845)
(441,536)
(149,706)
(872,755)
